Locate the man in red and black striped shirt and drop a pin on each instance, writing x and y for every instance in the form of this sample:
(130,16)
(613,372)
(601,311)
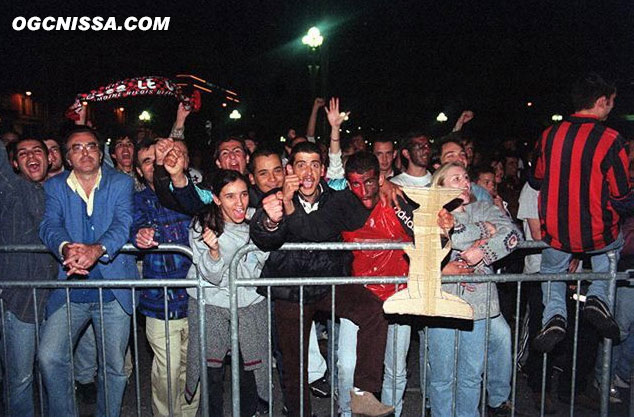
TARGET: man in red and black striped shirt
(581,169)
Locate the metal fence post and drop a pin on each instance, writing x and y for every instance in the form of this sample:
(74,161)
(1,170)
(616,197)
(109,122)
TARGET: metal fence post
(235,345)
(607,343)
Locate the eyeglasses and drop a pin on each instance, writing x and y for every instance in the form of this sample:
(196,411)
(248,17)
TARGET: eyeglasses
(90,147)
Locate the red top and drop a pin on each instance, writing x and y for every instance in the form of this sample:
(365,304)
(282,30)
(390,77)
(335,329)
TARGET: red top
(381,226)
(582,166)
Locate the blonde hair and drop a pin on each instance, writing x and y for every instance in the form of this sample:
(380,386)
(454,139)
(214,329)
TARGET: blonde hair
(438,179)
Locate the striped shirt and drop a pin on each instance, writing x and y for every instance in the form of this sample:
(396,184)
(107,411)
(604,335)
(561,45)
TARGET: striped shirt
(583,170)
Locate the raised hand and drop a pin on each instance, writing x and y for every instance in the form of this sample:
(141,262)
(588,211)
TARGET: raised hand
(466,116)
(175,165)
(273,207)
(210,238)
(335,118)
(162,148)
(319,102)
(181,114)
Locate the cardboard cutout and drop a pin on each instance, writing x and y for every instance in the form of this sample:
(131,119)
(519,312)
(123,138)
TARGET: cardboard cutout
(423,295)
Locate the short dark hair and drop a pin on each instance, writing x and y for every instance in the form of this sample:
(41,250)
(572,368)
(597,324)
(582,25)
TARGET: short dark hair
(229,139)
(83,130)
(362,162)
(307,147)
(456,139)
(15,145)
(260,152)
(483,169)
(139,146)
(406,144)
(588,88)
(382,141)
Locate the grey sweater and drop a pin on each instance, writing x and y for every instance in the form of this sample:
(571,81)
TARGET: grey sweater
(216,272)
(470,227)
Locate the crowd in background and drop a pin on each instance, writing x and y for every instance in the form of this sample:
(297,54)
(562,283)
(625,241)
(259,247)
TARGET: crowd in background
(85,199)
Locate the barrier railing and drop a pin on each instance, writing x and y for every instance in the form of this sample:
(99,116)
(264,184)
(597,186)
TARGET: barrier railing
(528,247)
(132,284)
(236,282)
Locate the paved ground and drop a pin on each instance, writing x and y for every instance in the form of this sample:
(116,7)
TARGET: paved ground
(525,405)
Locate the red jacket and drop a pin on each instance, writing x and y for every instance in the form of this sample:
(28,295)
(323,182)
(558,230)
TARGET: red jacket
(381,226)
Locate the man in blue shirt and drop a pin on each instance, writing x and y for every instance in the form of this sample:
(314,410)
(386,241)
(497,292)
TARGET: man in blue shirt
(87,220)
(154,224)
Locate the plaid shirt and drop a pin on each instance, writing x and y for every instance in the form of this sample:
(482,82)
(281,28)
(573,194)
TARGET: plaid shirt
(170,227)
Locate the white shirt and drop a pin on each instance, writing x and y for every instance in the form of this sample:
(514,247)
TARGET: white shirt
(405,179)
(528,210)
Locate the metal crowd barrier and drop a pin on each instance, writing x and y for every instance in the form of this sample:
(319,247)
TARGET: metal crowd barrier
(236,282)
(528,247)
(133,284)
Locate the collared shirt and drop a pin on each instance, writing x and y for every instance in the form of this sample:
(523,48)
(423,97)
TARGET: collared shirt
(75,186)
(310,207)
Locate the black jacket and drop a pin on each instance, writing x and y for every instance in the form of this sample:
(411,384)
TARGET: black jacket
(186,199)
(347,213)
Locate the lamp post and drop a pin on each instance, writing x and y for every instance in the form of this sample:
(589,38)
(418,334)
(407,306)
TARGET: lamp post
(313,40)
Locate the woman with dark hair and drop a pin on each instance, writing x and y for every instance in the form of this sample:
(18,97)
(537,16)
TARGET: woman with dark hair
(215,236)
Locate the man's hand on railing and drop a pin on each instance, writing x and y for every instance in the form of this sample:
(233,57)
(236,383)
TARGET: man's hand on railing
(145,238)
(79,258)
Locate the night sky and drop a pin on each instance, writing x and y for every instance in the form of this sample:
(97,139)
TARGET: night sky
(395,64)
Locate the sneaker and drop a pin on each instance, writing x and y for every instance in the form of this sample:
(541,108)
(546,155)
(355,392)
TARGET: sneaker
(597,313)
(87,393)
(320,388)
(504,410)
(365,404)
(552,333)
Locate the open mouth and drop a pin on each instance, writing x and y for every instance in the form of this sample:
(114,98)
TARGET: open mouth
(308,182)
(33,166)
(234,166)
(238,213)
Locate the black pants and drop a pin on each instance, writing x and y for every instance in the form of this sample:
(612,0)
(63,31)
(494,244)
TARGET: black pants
(248,391)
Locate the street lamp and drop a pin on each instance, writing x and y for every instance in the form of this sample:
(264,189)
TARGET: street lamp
(313,38)
(28,93)
(145,116)
(235,115)
(441,117)
(557,118)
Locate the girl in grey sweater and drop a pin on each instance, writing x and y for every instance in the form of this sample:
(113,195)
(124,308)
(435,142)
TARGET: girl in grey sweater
(215,237)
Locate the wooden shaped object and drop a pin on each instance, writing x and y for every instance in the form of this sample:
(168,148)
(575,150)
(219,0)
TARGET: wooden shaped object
(423,295)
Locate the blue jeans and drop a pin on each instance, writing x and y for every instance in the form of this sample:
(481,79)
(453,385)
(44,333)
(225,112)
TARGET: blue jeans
(54,355)
(556,261)
(346,363)
(468,375)
(86,357)
(623,352)
(499,362)
(396,376)
(316,363)
(499,365)
(20,339)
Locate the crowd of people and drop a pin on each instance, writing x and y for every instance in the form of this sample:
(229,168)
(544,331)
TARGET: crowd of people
(84,201)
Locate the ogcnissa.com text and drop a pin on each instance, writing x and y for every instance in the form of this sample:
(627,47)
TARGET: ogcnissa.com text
(86,23)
